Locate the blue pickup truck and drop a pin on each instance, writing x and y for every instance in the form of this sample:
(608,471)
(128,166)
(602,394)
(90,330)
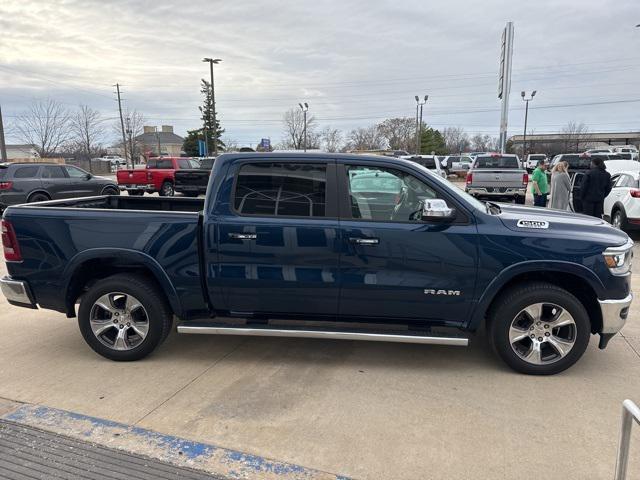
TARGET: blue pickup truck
(325,246)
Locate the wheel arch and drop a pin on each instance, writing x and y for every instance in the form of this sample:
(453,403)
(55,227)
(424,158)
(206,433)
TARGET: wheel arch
(96,264)
(575,278)
(110,185)
(38,190)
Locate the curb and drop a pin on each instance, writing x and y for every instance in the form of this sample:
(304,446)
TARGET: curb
(178,451)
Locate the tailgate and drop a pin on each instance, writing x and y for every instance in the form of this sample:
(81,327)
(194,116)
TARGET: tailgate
(192,177)
(132,177)
(497,178)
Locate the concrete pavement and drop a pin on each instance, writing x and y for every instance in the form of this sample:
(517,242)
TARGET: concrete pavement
(364,410)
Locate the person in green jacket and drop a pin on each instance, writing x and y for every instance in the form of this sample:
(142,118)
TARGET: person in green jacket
(540,184)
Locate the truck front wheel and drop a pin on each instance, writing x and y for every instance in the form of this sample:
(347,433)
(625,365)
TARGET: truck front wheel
(538,328)
(124,317)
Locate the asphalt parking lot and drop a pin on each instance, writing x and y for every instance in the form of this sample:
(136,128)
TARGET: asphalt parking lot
(363,410)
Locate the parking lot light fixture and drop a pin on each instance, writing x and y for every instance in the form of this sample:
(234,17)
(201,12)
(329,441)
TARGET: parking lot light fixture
(419,105)
(211,61)
(526,115)
(304,109)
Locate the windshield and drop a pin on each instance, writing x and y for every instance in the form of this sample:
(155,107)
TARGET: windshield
(496,162)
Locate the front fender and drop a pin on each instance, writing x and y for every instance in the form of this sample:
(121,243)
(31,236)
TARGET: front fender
(127,256)
(513,271)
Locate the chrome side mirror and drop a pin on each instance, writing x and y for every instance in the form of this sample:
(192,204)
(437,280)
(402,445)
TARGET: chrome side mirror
(436,209)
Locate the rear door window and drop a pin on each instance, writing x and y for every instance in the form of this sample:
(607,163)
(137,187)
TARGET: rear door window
(26,172)
(165,163)
(281,190)
(52,171)
(152,164)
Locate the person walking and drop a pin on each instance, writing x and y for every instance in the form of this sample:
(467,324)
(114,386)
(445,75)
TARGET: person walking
(560,186)
(595,186)
(540,184)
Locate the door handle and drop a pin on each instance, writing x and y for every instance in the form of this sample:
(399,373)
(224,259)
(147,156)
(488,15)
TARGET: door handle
(364,241)
(243,236)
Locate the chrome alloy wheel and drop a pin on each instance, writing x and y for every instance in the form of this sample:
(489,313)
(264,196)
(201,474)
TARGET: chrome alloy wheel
(119,321)
(542,333)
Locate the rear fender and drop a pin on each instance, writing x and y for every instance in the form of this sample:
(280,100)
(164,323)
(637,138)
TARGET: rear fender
(132,257)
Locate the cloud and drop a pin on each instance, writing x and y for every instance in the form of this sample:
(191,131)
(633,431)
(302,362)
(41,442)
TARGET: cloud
(355,62)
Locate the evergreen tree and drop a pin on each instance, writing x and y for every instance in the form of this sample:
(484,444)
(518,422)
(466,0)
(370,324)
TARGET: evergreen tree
(206,110)
(432,141)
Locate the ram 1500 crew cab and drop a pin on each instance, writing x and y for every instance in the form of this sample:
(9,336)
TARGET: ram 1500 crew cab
(322,245)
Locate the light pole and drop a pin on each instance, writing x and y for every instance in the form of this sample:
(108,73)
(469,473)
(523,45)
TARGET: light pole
(304,109)
(526,115)
(419,105)
(211,61)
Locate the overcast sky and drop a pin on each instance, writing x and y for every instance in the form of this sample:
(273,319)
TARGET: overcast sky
(355,62)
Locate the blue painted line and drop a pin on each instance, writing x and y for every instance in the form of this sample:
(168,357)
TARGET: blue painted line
(233,463)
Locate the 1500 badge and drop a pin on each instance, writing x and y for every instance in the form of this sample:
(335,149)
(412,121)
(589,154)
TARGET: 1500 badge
(533,224)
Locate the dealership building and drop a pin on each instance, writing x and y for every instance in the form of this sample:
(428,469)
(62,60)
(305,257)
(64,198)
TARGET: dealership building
(572,142)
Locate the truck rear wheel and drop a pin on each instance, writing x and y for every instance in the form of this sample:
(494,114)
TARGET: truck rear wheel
(538,328)
(167,189)
(124,317)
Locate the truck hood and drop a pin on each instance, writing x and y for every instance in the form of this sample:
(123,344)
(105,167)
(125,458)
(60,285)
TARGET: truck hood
(548,221)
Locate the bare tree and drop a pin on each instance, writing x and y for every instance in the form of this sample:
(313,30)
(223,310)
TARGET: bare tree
(483,143)
(87,130)
(576,135)
(368,138)
(400,133)
(456,139)
(45,125)
(331,139)
(230,144)
(134,127)
(293,135)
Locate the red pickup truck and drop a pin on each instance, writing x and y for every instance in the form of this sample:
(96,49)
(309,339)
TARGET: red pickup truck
(159,176)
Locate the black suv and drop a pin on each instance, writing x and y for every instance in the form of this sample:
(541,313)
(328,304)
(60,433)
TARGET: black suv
(37,182)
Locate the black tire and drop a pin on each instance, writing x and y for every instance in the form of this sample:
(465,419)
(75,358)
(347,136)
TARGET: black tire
(619,218)
(136,193)
(38,197)
(167,189)
(509,306)
(158,315)
(521,200)
(110,191)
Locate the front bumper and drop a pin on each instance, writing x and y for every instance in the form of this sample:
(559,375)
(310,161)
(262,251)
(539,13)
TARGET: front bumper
(17,292)
(614,316)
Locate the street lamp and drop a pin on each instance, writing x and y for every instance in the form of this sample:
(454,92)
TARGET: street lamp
(419,105)
(211,61)
(304,109)
(526,114)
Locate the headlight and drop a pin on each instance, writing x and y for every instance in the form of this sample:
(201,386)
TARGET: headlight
(618,259)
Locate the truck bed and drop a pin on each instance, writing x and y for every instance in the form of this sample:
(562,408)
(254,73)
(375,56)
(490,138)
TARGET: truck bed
(117,202)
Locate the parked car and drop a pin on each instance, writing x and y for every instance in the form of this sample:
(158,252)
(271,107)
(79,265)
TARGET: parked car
(37,182)
(429,162)
(599,150)
(157,177)
(622,205)
(497,177)
(533,159)
(456,163)
(628,150)
(193,182)
(314,238)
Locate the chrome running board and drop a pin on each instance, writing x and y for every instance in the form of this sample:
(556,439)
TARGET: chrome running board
(266,331)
